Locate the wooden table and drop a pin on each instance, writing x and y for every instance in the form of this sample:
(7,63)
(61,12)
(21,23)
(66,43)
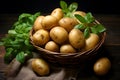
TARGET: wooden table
(111,47)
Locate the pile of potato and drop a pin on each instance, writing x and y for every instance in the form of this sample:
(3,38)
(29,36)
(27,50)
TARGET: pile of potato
(56,33)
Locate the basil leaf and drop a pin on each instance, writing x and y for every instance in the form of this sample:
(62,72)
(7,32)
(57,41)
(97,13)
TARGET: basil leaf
(87,32)
(63,5)
(94,30)
(73,7)
(8,55)
(80,18)
(100,28)
(80,26)
(20,57)
(89,18)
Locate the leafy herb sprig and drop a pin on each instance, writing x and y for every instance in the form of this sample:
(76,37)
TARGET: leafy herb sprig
(17,44)
(88,24)
(68,9)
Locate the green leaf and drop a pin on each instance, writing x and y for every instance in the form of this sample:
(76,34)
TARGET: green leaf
(12,32)
(89,18)
(80,18)
(100,28)
(87,32)
(73,7)
(8,55)
(63,5)
(21,57)
(80,26)
(94,30)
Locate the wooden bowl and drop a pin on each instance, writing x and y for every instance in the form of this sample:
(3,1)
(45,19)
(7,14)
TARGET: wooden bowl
(68,59)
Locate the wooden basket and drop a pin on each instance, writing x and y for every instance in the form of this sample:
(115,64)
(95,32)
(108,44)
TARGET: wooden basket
(68,59)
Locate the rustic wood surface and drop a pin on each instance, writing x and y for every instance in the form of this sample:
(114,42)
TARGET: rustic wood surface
(111,47)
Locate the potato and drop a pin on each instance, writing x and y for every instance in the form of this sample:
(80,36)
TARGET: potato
(91,41)
(40,66)
(52,46)
(102,66)
(41,37)
(76,38)
(82,13)
(59,34)
(49,22)
(58,13)
(37,24)
(68,23)
(67,48)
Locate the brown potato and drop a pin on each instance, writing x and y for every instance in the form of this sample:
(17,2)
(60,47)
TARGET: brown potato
(58,13)
(68,23)
(59,34)
(37,24)
(91,41)
(52,46)
(102,66)
(40,66)
(41,37)
(76,38)
(67,48)
(82,13)
(48,22)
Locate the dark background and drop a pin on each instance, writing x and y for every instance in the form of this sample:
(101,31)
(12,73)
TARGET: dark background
(46,6)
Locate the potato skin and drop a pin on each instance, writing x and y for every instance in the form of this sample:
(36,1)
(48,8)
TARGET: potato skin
(41,37)
(59,34)
(76,38)
(91,41)
(68,23)
(48,22)
(82,13)
(52,46)
(58,13)
(37,24)
(40,66)
(102,66)
(67,48)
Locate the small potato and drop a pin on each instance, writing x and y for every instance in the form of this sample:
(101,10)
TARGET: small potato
(52,46)
(102,66)
(37,24)
(41,37)
(91,41)
(76,38)
(80,13)
(58,13)
(40,66)
(59,34)
(67,48)
(49,22)
(68,23)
